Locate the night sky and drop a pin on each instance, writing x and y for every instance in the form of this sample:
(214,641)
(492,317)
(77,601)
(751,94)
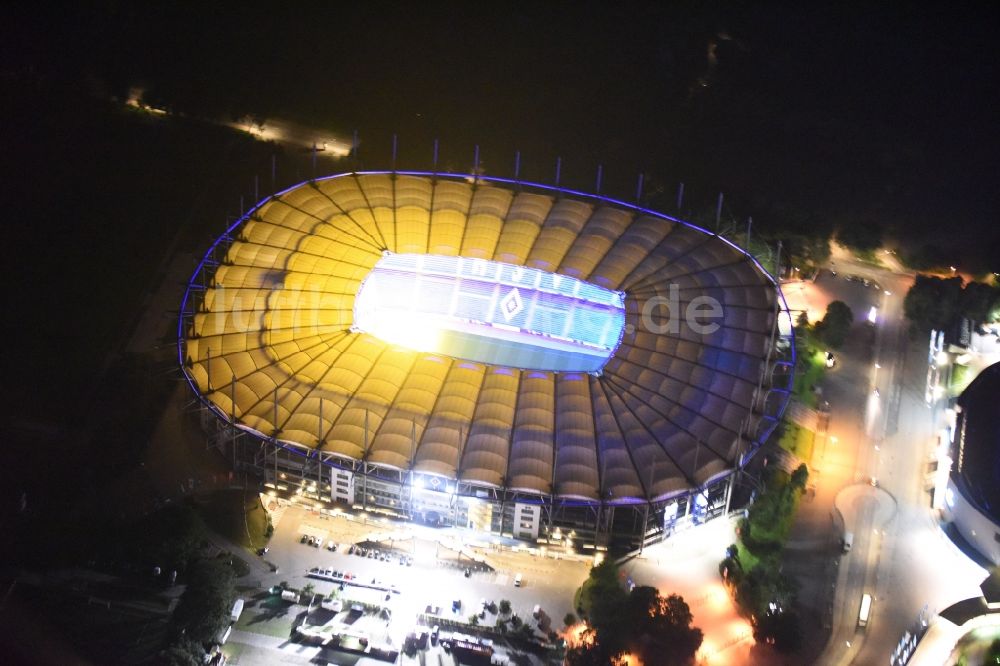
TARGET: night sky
(852,110)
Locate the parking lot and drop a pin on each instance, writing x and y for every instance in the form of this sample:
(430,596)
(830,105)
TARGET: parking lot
(410,569)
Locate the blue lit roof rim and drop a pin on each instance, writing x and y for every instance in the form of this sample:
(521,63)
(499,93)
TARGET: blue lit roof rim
(744,457)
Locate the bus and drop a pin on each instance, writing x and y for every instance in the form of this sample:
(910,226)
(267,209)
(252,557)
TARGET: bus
(866,609)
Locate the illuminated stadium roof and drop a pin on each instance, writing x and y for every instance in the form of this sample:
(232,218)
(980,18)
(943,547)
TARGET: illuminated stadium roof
(485,331)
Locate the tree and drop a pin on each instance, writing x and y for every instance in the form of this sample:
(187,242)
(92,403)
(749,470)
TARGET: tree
(731,568)
(661,628)
(642,621)
(781,629)
(474,620)
(835,325)
(861,235)
(308,589)
(504,607)
(569,619)
(601,588)
(993,654)
(182,652)
(977,300)
(169,538)
(933,302)
(807,252)
(799,477)
(204,608)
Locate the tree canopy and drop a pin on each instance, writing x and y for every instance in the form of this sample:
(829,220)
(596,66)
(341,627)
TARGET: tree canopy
(934,302)
(762,592)
(642,621)
(204,608)
(836,324)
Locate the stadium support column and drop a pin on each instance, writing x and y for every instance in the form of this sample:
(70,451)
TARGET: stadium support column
(413,460)
(364,469)
(232,417)
(730,481)
(319,458)
(645,508)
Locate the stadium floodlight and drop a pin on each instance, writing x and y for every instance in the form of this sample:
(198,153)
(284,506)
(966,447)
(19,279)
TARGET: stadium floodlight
(490,312)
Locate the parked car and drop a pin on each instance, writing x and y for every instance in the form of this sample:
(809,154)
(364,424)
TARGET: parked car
(331,546)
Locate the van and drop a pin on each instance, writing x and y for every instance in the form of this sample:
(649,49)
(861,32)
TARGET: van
(866,609)
(848,541)
(237,610)
(518,580)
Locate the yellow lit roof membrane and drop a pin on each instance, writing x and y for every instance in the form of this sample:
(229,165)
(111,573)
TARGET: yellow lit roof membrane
(273,347)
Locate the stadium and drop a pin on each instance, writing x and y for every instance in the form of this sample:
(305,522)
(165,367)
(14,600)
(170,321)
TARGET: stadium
(972,497)
(510,357)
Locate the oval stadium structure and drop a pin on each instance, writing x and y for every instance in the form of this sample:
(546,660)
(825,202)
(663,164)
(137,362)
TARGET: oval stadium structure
(501,355)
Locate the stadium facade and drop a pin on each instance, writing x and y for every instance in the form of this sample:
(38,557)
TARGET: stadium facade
(512,357)
(972,497)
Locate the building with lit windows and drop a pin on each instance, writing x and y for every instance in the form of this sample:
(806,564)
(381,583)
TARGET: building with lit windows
(512,357)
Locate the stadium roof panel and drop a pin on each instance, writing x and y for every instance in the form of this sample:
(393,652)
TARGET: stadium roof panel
(277,343)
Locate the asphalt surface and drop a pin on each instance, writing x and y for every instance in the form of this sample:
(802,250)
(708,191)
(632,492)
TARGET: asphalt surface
(899,554)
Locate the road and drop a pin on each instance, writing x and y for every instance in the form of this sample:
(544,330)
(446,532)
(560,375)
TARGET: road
(881,429)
